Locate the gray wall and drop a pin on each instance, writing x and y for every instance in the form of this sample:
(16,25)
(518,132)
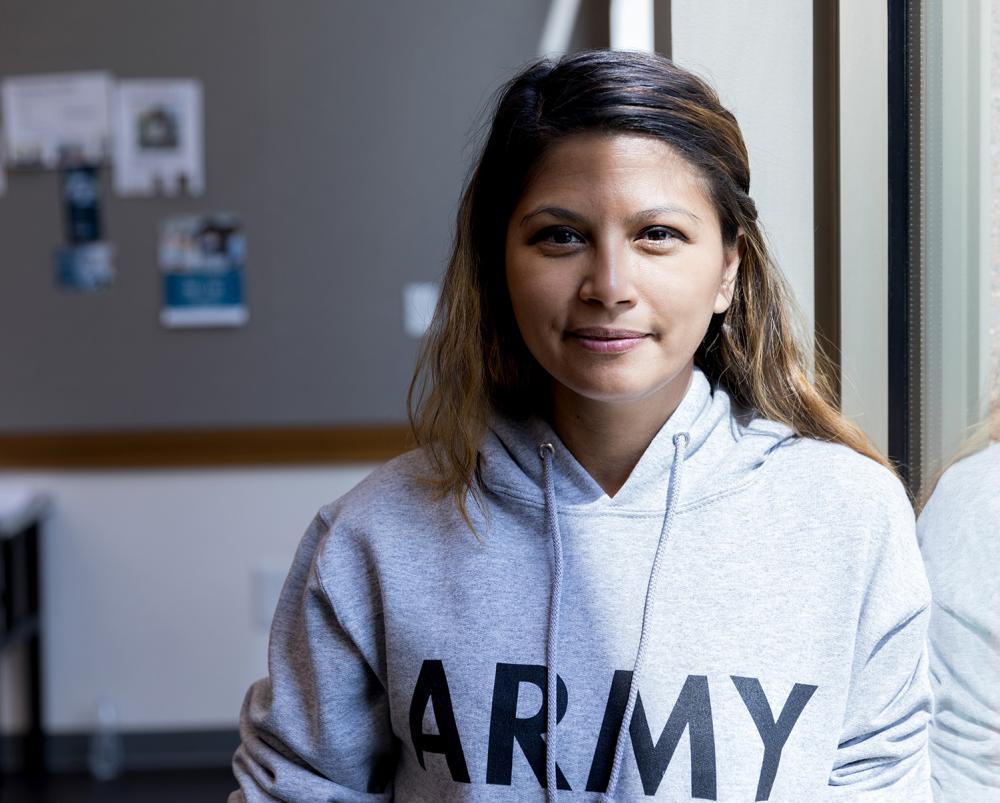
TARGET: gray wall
(340,131)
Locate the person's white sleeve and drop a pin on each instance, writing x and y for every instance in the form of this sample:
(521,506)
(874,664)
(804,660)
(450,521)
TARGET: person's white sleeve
(317,728)
(959,536)
(882,754)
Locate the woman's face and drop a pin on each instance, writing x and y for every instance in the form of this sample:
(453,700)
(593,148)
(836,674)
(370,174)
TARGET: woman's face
(615,265)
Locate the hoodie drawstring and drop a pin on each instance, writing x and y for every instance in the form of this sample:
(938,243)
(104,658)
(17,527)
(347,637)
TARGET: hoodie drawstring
(546,452)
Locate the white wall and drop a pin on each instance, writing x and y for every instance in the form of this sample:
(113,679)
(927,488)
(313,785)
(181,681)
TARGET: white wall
(147,589)
(758,56)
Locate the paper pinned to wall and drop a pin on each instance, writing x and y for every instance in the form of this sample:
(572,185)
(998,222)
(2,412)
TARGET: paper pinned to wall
(86,262)
(159,138)
(201,260)
(81,191)
(86,267)
(56,120)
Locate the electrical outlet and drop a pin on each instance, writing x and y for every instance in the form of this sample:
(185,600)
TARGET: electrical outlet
(419,301)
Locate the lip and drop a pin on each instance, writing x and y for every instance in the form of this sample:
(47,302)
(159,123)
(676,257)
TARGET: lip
(607,341)
(605,333)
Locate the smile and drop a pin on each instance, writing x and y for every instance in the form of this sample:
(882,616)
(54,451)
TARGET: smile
(608,344)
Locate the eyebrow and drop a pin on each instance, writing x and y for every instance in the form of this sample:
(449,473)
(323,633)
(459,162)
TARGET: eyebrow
(568,214)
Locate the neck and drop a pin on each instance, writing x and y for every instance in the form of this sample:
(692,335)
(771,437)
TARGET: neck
(609,438)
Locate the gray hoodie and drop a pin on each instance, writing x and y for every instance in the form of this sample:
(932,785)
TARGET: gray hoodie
(959,536)
(744,620)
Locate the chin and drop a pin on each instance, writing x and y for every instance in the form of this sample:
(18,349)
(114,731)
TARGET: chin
(613,394)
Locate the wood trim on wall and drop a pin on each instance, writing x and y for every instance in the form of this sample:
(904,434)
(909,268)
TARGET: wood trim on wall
(202,448)
(826,188)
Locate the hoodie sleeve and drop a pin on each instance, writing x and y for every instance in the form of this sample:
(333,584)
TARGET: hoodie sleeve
(959,536)
(882,753)
(317,728)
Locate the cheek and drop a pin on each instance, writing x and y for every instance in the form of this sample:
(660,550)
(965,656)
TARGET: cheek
(531,313)
(536,295)
(678,290)
(697,281)
(683,301)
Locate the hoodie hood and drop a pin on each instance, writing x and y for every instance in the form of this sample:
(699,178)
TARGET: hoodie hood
(725,446)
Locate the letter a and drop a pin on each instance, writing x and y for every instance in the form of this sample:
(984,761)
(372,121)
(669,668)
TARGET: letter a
(433,685)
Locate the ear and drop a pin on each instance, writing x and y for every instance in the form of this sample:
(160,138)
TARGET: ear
(730,268)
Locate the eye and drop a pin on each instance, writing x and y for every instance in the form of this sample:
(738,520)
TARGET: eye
(556,235)
(662,234)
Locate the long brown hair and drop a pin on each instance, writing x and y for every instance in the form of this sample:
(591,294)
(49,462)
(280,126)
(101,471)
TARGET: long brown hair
(474,363)
(975,437)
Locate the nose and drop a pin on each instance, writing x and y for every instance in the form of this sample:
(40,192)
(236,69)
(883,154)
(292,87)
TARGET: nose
(610,278)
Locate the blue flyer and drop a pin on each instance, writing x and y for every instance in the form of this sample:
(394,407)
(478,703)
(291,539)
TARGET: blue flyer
(201,260)
(87,267)
(82,203)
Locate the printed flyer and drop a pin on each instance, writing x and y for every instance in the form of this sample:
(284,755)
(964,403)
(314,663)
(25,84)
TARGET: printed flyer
(85,263)
(58,120)
(86,268)
(82,204)
(201,260)
(159,138)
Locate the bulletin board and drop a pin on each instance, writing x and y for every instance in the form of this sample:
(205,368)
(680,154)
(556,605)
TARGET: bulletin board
(341,134)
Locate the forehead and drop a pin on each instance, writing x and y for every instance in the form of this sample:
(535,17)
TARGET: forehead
(617,168)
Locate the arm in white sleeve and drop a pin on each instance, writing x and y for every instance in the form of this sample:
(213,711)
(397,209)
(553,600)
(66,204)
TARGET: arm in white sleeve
(317,728)
(882,754)
(959,535)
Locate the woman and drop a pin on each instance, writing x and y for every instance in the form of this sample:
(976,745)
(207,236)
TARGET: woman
(958,531)
(637,553)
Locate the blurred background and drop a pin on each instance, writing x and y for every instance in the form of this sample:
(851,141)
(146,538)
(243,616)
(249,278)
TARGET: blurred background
(222,226)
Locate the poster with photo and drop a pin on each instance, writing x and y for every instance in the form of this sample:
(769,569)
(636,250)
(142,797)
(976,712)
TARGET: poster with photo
(86,262)
(159,138)
(85,268)
(56,120)
(81,189)
(201,260)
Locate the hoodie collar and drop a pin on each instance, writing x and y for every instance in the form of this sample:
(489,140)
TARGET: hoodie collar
(725,446)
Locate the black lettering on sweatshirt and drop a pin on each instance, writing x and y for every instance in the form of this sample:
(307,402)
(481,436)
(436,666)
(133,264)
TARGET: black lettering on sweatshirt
(506,727)
(432,685)
(693,710)
(773,734)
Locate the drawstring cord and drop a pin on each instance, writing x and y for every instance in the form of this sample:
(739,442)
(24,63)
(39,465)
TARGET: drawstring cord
(546,451)
(640,656)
